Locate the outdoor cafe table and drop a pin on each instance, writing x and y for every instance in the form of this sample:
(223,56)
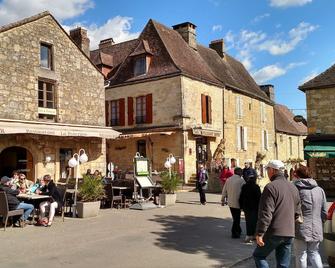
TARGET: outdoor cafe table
(34,199)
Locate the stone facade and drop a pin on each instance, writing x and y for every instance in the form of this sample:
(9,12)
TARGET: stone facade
(289,147)
(79,94)
(320,104)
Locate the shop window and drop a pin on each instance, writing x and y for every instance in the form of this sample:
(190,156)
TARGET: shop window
(46,58)
(141,148)
(46,100)
(206,109)
(140,66)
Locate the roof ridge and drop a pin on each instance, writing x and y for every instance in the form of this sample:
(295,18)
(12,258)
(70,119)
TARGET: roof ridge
(305,85)
(9,26)
(117,44)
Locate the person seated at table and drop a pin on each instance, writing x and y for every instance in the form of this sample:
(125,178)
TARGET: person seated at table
(24,184)
(15,179)
(49,188)
(97,174)
(88,172)
(14,203)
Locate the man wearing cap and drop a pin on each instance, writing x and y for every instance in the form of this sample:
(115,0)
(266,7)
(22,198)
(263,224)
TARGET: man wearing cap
(13,202)
(248,171)
(278,210)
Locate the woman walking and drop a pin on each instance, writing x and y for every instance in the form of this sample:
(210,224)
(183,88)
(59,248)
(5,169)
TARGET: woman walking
(202,179)
(309,232)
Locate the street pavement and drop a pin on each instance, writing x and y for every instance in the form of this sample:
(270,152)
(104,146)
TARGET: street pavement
(184,235)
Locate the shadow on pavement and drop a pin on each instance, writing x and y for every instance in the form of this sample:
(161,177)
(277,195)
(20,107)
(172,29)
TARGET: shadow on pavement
(197,234)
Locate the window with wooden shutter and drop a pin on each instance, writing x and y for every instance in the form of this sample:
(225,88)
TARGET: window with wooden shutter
(130,107)
(114,113)
(141,110)
(239,107)
(107,113)
(209,109)
(149,109)
(122,111)
(245,138)
(203,109)
(238,137)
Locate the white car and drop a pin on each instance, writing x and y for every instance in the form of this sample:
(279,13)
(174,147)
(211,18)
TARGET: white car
(329,236)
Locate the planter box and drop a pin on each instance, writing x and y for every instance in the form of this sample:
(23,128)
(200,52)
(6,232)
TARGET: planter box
(88,209)
(167,199)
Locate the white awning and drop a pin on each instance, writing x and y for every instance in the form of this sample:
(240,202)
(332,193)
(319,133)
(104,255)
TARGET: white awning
(8,126)
(145,134)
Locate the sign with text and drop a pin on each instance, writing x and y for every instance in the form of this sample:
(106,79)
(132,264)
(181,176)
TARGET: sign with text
(47,111)
(141,166)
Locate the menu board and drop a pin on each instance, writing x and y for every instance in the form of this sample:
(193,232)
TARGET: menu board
(141,166)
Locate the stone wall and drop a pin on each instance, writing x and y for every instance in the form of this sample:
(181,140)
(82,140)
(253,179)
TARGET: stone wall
(80,95)
(283,144)
(320,111)
(42,146)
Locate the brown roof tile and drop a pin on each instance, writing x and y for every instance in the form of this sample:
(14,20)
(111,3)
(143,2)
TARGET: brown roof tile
(284,121)
(142,48)
(325,79)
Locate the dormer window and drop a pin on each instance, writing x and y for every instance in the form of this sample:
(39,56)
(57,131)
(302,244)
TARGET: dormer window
(140,66)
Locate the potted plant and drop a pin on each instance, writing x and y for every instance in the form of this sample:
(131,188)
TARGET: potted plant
(90,193)
(170,182)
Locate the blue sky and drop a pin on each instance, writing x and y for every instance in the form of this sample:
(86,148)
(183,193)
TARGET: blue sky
(281,42)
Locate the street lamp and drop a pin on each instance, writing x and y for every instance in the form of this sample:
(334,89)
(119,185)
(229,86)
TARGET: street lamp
(75,161)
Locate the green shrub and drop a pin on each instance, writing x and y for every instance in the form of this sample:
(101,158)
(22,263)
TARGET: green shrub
(91,189)
(170,184)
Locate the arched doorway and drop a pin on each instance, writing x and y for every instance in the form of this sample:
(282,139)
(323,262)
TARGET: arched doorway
(16,158)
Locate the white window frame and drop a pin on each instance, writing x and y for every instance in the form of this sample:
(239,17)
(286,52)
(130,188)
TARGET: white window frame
(242,138)
(263,113)
(239,107)
(265,140)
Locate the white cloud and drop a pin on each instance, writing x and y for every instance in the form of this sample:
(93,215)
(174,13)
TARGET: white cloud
(267,73)
(118,28)
(260,17)
(288,3)
(270,72)
(13,10)
(309,77)
(217,27)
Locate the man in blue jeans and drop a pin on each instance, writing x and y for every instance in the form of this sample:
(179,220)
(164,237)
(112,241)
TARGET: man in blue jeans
(14,203)
(279,208)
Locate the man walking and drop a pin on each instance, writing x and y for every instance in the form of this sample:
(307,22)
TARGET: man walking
(231,190)
(278,210)
(248,171)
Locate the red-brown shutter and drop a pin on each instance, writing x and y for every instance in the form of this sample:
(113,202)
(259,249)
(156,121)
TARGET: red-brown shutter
(209,109)
(122,116)
(203,109)
(149,109)
(130,111)
(107,116)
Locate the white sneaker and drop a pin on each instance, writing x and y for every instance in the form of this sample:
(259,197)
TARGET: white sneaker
(248,239)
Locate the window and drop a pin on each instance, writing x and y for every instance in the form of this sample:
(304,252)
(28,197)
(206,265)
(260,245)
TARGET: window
(239,107)
(140,66)
(263,113)
(140,110)
(206,109)
(46,56)
(46,100)
(115,112)
(265,140)
(141,148)
(242,138)
(281,138)
(291,148)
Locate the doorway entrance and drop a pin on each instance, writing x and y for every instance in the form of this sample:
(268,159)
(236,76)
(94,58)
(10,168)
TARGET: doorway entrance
(201,144)
(17,158)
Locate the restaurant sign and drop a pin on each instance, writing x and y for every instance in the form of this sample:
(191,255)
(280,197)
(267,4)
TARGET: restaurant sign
(47,111)
(206,132)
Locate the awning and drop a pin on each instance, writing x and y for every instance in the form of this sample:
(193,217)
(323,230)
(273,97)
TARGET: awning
(55,129)
(320,150)
(145,134)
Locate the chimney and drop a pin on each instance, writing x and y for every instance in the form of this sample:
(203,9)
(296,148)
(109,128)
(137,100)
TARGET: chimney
(79,36)
(218,46)
(106,43)
(269,91)
(188,33)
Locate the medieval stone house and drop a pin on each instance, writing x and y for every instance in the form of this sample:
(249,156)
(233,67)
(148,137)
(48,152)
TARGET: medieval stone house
(168,94)
(52,100)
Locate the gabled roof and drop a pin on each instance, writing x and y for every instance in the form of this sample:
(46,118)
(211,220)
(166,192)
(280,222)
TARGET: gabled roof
(40,16)
(323,80)
(142,48)
(172,55)
(102,58)
(284,121)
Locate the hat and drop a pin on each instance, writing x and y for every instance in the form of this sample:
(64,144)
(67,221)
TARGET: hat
(275,164)
(248,161)
(5,179)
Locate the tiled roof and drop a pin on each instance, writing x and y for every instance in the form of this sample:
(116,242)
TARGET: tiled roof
(102,58)
(284,121)
(142,48)
(325,79)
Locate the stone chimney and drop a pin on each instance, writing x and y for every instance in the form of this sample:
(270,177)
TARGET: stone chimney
(188,33)
(79,36)
(269,91)
(106,43)
(218,46)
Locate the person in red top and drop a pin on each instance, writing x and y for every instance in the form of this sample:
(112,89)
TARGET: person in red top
(225,174)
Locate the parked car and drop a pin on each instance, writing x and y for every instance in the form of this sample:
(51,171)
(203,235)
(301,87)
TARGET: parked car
(329,236)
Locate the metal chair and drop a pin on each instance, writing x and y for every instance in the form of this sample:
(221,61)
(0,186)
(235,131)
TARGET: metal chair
(110,197)
(4,209)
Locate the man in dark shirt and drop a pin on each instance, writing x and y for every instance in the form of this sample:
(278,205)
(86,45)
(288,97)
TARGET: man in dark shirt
(248,171)
(278,210)
(13,202)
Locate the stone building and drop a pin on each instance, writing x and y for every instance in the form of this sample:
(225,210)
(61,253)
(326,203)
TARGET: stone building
(52,100)
(168,94)
(289,136)
(320,142)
